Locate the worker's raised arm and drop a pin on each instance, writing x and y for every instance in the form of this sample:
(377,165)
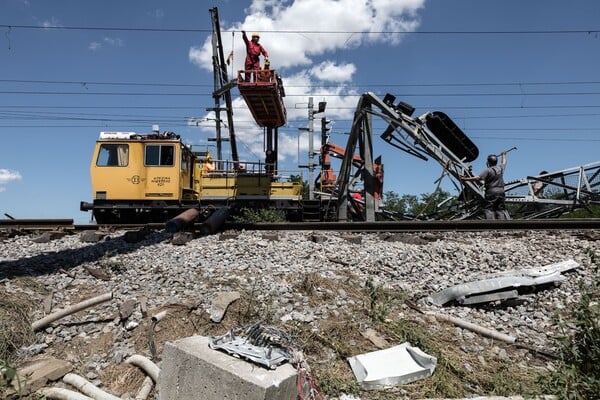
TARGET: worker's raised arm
(245,37)
(503,154)
(264,52)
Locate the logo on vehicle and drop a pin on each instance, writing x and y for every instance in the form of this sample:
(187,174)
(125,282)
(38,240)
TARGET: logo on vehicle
(136,179)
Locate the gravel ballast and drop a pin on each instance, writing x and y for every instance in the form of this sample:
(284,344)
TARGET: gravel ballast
(157,273)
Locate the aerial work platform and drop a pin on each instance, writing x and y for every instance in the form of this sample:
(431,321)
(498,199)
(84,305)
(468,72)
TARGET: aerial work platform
(263,92)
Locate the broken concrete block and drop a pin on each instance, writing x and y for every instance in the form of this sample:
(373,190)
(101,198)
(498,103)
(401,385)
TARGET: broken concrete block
(219,304)
(405,238)
(228,235)
(98,273)
(37,374)
(191,370)
(375,338)
(47,303)
(144,306)
(126,308)
(181,238)
(270,236)
(355,239)
(318,238)
(48,236)
(91,236)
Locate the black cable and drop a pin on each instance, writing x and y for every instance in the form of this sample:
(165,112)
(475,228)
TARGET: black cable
(192,30)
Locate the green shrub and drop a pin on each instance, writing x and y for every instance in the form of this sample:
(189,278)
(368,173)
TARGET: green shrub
(252,216)
(577,376)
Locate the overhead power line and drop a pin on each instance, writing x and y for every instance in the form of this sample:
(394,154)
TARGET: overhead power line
(285,31)
(88,93)
(85,83)
(431,107)
(367,85)
(23,114)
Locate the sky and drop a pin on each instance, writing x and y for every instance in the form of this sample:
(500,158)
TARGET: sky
(509,73)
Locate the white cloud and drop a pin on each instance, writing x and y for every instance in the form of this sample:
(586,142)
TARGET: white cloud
(95,46)
(109,41)
(7,176)
(53,23)
(293,32)
(306,40)
(114,41)
(330,71)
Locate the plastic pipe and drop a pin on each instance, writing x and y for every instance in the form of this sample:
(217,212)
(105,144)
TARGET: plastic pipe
(88,388)
(475,328)
(48,319)
(146,364)
(62,394)
(145,390)
(158,316)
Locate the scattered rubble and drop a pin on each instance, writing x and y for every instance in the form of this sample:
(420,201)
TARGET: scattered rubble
(291,277)
(505,285)
(219,304)
(396,365)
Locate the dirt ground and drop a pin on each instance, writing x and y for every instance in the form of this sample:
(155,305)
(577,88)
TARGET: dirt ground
(467,363)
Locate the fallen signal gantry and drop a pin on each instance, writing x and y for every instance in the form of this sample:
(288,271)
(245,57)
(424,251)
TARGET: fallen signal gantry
(434,135)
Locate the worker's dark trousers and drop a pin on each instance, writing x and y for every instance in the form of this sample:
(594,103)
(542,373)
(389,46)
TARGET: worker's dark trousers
(494,207)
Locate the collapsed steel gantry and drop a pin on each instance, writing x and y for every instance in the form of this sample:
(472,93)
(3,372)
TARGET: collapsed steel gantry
(434,135)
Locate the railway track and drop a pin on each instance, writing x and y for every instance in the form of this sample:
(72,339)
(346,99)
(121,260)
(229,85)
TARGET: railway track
(30,225)
(35,224)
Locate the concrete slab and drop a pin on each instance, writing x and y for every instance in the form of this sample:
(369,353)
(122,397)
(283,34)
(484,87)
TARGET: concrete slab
(219,304)
(38,373)
(191,370)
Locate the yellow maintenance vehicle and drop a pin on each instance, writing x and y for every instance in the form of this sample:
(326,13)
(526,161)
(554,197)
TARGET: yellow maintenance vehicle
(153,177)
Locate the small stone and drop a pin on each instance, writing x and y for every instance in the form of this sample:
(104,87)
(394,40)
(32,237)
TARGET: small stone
(91,375)
(131,325)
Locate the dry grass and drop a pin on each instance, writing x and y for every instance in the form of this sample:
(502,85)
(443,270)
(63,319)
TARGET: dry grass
(15,323)
(327,344)
(122,378)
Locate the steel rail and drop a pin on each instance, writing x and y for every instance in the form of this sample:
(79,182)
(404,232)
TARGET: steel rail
(380,226)
(423,226)
(35,224)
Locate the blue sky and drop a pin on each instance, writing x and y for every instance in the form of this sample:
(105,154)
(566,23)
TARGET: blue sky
(509,73)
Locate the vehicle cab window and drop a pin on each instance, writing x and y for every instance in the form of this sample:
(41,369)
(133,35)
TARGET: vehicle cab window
(159,155)
(113,155)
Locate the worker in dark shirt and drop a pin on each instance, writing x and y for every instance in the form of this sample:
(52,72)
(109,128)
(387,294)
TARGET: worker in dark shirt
(494,205)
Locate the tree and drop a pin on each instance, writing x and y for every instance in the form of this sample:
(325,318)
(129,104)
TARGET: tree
(403,205)
(410,204)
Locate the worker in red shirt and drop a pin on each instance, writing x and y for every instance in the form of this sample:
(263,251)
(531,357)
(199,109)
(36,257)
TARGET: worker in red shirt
(253,52)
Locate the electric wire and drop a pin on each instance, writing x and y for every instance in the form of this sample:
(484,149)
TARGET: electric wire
(467,84)
(88,93)
(20,113)
(306,32)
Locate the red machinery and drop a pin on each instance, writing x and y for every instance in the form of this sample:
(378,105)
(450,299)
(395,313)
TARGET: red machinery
(328,179)
(263,92)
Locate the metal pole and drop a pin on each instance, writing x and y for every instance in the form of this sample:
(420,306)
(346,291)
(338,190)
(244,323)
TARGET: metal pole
(217,81)
(311,152)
